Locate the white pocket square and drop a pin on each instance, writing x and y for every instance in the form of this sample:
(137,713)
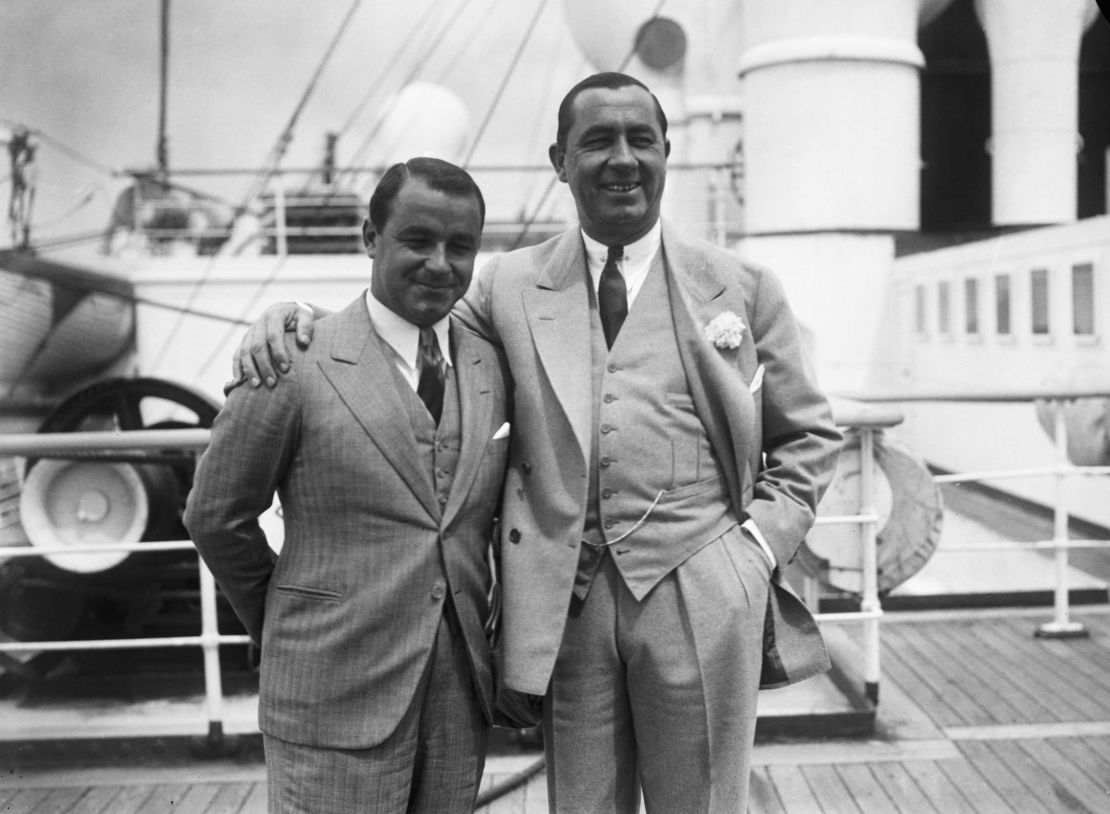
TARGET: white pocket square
(502,432)
(757,380)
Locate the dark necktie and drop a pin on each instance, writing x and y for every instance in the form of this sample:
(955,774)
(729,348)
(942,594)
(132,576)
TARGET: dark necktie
(612,296)
(430,386)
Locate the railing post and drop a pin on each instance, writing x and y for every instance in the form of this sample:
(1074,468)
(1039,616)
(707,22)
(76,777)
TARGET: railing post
(280,232)
(869,600)
(1061,627)
(210,645)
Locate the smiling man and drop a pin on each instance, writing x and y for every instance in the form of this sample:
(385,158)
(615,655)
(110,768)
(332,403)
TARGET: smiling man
(387,448)
(668,452)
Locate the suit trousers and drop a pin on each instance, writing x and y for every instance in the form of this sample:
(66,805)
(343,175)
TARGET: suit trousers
(660,695)
(431,764)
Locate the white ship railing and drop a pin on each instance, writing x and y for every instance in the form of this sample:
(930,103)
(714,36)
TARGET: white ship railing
(704,198)
(864,418)
(1062,472)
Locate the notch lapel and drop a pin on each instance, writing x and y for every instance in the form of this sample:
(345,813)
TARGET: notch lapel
(360,372)
(698,295)
(558,314)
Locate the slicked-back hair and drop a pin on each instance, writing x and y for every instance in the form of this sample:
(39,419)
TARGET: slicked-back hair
(440,175)
(609,80)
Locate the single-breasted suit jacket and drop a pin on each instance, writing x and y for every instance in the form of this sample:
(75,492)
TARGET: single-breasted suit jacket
(347,614)
(774,438)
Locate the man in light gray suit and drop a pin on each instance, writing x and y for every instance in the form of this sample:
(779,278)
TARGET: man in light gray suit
(387,447)
(669,450)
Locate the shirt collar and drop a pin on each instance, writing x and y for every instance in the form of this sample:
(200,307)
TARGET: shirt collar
(402,335)
(639,253)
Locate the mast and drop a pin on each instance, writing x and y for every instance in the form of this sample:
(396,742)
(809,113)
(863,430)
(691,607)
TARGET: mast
(163,157)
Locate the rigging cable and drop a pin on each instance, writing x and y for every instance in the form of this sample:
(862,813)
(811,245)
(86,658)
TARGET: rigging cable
(413,73)
(390,64)
(272,161)
(278,152)
(505,81)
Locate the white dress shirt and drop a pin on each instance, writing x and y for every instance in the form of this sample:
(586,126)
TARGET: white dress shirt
(404,338)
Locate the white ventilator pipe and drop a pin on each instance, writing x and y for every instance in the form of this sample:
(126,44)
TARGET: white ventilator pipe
(1034,53)
(832,114)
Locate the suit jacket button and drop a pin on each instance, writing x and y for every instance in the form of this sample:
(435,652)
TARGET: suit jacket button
(437,592)
(527,467)
(514,535)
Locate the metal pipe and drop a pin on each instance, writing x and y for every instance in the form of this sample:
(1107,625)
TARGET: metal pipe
(210,646)
(1061,626)
(869,601)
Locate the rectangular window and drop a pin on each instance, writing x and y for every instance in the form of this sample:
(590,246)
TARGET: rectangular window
(943,302)
(1038,298)
(1002,304)
(919,309)
(971,306)
(1083,299)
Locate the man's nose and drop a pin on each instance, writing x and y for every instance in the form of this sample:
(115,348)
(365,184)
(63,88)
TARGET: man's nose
(621,153)
(437,260)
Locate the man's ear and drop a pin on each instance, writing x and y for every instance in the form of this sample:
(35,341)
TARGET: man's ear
(369,236)
(558,161)
(666,148)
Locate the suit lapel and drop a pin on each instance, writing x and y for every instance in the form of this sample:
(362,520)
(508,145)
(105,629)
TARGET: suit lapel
(472,379)
(698,294)
(361,374)
(558,314)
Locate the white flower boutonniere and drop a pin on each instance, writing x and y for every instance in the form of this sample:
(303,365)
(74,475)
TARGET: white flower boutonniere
(725,330)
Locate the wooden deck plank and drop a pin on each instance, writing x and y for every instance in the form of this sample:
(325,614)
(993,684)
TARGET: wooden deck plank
(948,708)
(1090,754)
(831,791)
(165,797)
(1013,792)
(954,787)
(792,789)
(1086,656)
(928,699)
(59,801)
(763,799)
(959,641)
(1032,670)
(95,800)
(229,798)
(868,795)
(131,798)
(1040,784)
(256,800)
(198,800)
(24,802)
(1071,784)
(977,704)
(1034,662)
(910,793)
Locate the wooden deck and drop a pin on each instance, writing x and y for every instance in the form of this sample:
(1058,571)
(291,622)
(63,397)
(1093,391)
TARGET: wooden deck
(975,715)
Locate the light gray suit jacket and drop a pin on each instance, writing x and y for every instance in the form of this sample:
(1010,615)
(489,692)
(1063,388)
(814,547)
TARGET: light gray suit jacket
(347,615)
(776,445)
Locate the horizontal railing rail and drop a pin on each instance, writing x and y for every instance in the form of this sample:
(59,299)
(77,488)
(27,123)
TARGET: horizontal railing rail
(864,418)
(1062,471)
